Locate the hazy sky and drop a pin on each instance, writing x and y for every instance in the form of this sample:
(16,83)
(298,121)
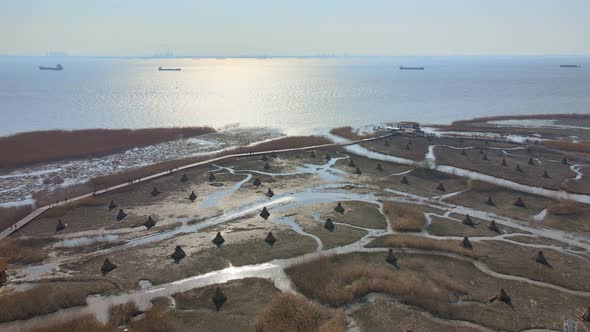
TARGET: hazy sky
(296,27)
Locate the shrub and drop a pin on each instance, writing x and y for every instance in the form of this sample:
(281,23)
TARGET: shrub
(404,217)
(290,312)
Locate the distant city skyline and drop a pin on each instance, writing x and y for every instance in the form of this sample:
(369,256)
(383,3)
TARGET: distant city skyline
(302,28)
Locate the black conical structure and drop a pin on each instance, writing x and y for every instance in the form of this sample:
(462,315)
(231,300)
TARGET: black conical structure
(504,162)
(112,205)
(351,163)
(540,258)
(339,208)
(211,177)
(184,178)
(107,266)
(312,154)
(564,161)
(192,196)
(358,171)
(329,225)
(178,254)
(264,158)
(546,175)
(519,203)
(379,168)
(328,157)
(60,226)
(273,155)
(518,169)
(493,227)
(257,182)
(266,166)
(155,192)
(218,240)
(391,259)
(270,239)
(490,201)
(441,187)
(270,193)
(468,221)
(121,215)
(149,223)
(463,152)
(218,298)
(466,243)
(405,180)
(265,214)
(531,162)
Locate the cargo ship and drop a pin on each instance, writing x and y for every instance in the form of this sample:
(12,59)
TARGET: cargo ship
(169,69)
(411,68)
(58,67)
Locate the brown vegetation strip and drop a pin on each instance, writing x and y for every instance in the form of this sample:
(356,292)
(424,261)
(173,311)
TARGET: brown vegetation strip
(47,297)
(10,215)
(565,208)
(583,146)
(404,217)
(351,133)
(522,117)
(44,146)
(20,251)
(291,312)
(422,243)
(339,280)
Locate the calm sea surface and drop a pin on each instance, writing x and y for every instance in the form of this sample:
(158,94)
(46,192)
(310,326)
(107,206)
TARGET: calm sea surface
(294,95)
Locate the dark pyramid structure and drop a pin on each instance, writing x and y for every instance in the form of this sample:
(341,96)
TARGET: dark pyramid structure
(60,226)
(312,154)
(328,156)
(440,187)
(266,166)
(178,254)
(218,298)
(468,221)
(351,163)
(339,208)
(265,214)
(218,240)
(192,196)
(408,146)
(155,192)
(518,169)
(485,156)
(490,201)
(546,175)
(358,171)
(585,316)
(379,168)
(107,266)
(149,223)
(264,158)
(564,161)
(184,178)
(531,162)
(463,152)
(493,227)
(329,225)
(270,193)
(211,177)
(540,258)
(504,162)
(391,259)
(405,180)
(273,155)
(257,182)
(121,215)
(519,203)
(503,297)
(466,243)
(270,239)
(112,205)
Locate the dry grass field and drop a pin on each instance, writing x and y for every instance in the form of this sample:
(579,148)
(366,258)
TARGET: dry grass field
(404,217)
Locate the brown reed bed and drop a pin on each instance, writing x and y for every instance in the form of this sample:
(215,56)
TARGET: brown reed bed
(45,146)
(10,215)
(422,243)
(291,312)
(404,217)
